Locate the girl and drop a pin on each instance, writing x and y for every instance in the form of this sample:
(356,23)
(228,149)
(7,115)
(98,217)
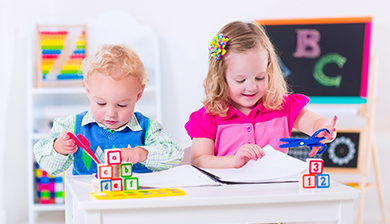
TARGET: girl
(246,104)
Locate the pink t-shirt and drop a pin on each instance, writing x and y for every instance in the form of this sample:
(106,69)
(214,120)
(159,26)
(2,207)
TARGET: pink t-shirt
(261,126)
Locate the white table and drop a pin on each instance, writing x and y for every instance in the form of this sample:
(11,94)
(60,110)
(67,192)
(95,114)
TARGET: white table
(253,203)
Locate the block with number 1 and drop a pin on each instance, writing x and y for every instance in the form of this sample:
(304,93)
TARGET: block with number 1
(307,180)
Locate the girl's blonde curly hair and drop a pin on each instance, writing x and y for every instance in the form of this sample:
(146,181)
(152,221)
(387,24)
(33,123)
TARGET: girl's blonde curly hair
(242,37)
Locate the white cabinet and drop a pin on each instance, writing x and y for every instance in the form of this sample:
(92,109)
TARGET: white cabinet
(47,103)
(44,104)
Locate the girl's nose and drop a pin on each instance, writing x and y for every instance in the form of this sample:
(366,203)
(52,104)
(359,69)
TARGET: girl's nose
(251,86)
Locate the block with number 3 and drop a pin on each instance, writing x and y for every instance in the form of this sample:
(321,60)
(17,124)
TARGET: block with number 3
(315,166)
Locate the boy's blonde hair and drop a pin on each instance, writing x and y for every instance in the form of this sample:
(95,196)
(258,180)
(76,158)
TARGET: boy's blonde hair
(242,37)
(115,61)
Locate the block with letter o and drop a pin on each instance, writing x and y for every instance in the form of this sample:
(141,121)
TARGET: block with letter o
(113,156)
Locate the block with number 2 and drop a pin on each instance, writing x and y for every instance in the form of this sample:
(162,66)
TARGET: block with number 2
(323,180)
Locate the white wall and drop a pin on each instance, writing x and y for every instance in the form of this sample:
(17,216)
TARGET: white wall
(184,30)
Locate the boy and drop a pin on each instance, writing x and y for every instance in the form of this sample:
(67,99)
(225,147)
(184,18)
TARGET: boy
(114,80)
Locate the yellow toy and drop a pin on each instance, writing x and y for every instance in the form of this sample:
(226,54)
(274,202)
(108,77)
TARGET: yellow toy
(150,193)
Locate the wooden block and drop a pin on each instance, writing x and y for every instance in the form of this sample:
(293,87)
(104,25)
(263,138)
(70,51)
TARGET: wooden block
(117,184)
(323,180)
(307,180)
(131,183)
(315,166)
(96,185)
(126,170)
(105,185)
(117,171)
(113,156)
(105,171)
(99,185)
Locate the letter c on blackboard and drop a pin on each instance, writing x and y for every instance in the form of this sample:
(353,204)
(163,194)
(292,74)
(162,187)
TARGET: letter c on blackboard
(319,74)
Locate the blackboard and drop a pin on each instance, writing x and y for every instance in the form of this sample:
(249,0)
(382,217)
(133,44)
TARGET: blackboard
(342,153)
(325,59)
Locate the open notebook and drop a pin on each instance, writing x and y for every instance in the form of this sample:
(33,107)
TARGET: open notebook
(274,167)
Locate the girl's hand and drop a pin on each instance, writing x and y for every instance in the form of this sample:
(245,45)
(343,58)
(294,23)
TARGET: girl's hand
(134,155)
(328,137)
(64,145)
(246,153)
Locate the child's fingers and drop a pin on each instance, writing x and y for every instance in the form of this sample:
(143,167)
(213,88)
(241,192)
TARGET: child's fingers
(64,136)
(73,150)
(314,151)
(251,154)
(333,122)
(258,153)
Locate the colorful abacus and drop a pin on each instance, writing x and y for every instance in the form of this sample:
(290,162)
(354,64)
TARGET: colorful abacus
(50,189)
(114,175)
(314,176)
(71,69)
(61,53)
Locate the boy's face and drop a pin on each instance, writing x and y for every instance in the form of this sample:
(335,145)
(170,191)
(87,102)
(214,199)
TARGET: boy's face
(112,101)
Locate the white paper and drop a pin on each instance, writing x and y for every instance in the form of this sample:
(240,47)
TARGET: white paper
(181,176)
(275,165)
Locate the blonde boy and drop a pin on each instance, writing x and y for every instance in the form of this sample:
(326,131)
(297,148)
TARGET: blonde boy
(114,80)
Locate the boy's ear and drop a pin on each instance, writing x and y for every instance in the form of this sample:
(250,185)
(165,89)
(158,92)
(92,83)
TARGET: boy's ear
(139,95)
(86,87)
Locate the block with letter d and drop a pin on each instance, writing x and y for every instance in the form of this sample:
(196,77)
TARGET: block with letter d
(105,185)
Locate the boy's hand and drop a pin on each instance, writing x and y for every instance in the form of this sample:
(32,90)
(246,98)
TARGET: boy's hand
(134,155)
(64,145)
(246,153)
(328,137)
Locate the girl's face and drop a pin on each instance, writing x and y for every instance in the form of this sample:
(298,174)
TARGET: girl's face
(247,78)
(112,101)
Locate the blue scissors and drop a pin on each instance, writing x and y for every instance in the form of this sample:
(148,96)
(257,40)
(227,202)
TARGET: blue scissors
(312,141)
